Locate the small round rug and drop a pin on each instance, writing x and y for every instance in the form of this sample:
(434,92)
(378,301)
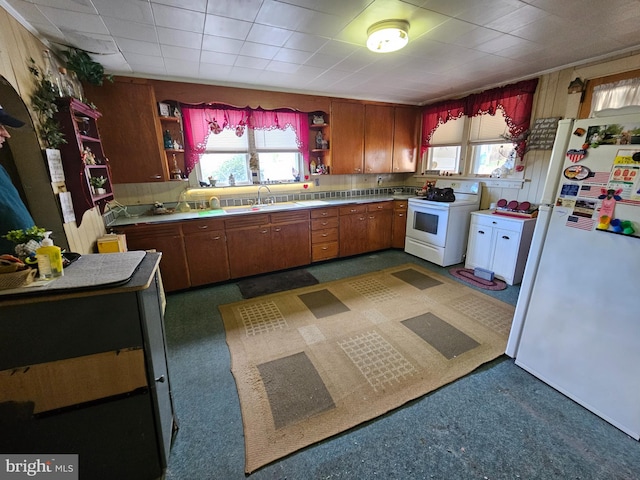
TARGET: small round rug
(467,276)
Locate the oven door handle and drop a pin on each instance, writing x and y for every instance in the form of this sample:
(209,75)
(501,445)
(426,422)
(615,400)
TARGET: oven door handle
(427,208)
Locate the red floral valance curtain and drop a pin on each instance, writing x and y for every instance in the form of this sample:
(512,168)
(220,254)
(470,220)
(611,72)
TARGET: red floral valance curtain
(200,121)
(515,100)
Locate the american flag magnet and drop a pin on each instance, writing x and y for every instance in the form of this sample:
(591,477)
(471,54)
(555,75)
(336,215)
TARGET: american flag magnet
(576,155)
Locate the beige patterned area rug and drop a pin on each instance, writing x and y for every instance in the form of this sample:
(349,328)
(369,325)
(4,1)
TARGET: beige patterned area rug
(313,362)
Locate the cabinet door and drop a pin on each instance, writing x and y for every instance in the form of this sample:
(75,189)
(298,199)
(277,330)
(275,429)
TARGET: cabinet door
(290,245)
(480,247)
(398,228)
(130,131)
(405,139)
(379,230)
(207,257)
(378,139)
(507,244)
(347,137)
(168,240)
(353,234)
(249,251)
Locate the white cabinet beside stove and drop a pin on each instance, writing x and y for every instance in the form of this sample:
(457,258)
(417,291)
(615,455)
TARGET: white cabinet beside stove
(500,244)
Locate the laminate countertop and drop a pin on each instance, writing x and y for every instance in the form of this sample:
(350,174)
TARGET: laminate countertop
(249,209)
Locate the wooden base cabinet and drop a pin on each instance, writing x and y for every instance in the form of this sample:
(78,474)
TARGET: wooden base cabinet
(365,228)
(205,244)
(399,225)
(261,243)
(165,238)
(85,372)
(499,244)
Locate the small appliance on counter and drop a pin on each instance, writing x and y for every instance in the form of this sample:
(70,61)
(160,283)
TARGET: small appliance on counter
(516,209)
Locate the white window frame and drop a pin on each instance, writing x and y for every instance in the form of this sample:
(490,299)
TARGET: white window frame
(252,152)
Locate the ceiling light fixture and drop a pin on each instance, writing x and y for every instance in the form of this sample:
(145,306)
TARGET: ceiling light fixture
(388,36)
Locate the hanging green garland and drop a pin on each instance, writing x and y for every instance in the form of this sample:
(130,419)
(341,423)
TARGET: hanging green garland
(86,69)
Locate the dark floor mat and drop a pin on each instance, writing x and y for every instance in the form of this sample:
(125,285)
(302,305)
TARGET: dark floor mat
(275,282)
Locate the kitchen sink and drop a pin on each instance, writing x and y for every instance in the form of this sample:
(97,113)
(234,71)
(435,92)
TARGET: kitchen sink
(260,208)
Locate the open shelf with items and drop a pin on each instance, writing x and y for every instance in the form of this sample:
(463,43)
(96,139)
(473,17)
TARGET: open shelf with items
(82,156)
(319,151)
(172,138)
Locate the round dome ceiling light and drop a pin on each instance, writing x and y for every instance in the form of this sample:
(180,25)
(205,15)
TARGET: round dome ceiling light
(388,36)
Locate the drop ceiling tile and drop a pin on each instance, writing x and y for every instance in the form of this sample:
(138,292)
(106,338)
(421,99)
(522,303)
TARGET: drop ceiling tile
(195,5)
(337,48)
(221,44)
(134,31)
(179,38)
(323,24)
(182,68)
(251,62)
(81,22)
(238,9)
(483,12)
(322,61)
(291,56)
(349,9)
(518,18)
(226,27)
(30,12)
(215,71)
(139,12)
(170,52)
(142,48)
(477,36)
(115,62)
(305,42)
(217,58)
(284,67)
(258,50)
(178,18)
(268,35)
(83,6)
(136,59)
(449,31)
(282,15)
(501,43)
(244,75)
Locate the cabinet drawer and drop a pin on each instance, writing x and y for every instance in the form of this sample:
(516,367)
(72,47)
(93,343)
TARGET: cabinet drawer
(199,226)
(322,223)
(290,217)
(324,251)
(351,209)
(324,212)
(379,206)
(495,221)
(324,236)
(400,204)
(244,221)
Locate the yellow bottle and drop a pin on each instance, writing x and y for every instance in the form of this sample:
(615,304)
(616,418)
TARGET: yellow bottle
(49,259)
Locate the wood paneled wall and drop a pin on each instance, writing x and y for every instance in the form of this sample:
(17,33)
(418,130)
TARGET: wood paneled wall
(17,46)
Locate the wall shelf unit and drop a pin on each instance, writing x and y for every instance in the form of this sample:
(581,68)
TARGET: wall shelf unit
(319,149)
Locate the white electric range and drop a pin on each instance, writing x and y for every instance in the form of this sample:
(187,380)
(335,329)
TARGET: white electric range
(438,231)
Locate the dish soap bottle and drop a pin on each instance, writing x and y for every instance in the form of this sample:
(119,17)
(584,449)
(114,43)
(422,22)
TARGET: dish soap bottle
(49,259)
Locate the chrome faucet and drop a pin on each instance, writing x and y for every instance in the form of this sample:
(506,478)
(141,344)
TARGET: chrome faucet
(260,188)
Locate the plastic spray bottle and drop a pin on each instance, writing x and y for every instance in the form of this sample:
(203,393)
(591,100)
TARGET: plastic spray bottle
(49,259)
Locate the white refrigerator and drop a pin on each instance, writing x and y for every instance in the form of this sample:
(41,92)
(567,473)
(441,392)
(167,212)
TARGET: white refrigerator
(577,321)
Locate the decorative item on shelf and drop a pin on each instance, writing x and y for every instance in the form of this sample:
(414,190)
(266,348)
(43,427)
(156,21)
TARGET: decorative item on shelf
(232,180)
(88,157)
(67,87)
(319,139)
(164,109)
(43,102)
(318,120)
(98,184)
(168,141)
(176,173)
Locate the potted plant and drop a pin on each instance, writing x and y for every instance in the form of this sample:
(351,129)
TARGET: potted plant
(43,103)
(98,184)
(27,240)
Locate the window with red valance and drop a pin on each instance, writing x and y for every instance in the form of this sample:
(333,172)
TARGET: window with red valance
(515,101)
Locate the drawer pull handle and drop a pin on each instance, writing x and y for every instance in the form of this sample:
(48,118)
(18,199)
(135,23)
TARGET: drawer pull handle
(325,234)
(353,210)
(480,232)
(505,237)
(203,227)
(494,222)
(401,214)
(277,229)
(217,237)
(325,223)
(263,231)
(161,379)
(324,214)
(325,248)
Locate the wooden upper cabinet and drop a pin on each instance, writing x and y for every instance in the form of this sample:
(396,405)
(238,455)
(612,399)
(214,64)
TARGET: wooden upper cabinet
(405,139)
(347,138)
(130,131)
(378,138)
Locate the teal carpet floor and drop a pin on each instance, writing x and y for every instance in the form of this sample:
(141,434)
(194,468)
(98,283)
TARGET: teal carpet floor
(497,423)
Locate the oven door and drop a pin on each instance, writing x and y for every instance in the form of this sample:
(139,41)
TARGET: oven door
(427,222)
